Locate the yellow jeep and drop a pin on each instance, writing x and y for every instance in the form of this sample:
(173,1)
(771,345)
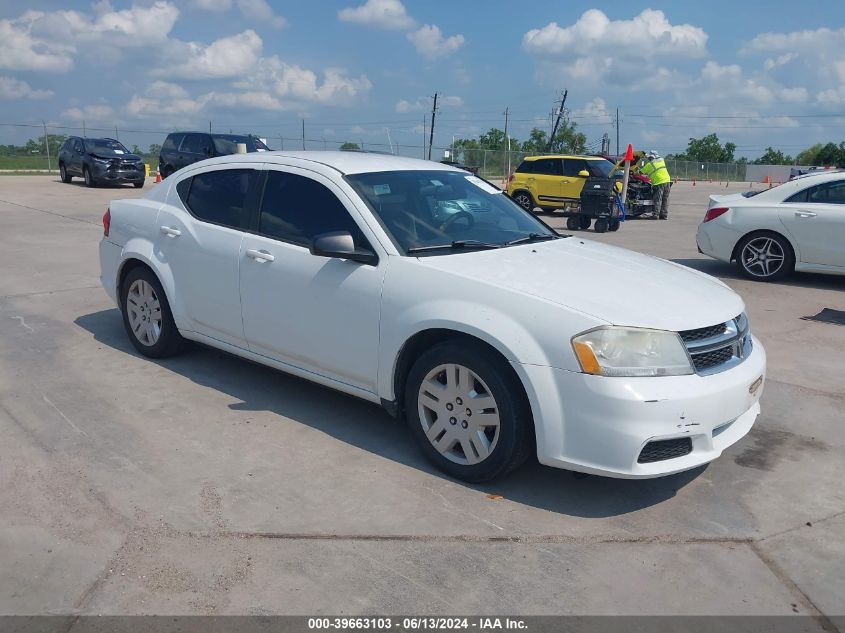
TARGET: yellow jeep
(553,182)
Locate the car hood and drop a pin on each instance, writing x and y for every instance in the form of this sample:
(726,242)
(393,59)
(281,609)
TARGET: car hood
(130,157)
(612,284)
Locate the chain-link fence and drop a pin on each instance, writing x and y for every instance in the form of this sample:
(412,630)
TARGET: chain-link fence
(718,172)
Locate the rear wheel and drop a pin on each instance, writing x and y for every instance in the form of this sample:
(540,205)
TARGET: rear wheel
(765,257)
(573,223)
(138,185)
(467,411)
(89,179)
(147,317)
(601,225)
(614,225)
(524,199)
(66,178)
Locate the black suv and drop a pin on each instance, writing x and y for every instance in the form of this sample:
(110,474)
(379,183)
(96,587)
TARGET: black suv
(99,161)
(181,149)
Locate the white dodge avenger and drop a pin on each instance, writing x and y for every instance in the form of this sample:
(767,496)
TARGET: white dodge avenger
(423,288)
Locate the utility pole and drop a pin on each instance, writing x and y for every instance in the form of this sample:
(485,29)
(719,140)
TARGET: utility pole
(209,127)
(303,133)
(281,142)
(508,141)
(116,137)
(84,133)
(431,132)
(46,145)
(557,121)
(389,142)
(617,132)
(423,145)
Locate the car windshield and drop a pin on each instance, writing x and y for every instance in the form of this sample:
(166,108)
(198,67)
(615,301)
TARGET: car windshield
(105,146)
(227,143)
(439,212)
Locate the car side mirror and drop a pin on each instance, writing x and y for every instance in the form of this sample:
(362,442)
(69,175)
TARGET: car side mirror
(341,245)
(584,173)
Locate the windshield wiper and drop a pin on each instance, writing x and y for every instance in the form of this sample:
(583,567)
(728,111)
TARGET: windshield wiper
(532,237)
(457,244)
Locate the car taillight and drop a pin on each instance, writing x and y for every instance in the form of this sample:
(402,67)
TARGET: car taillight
(510,178)
(106,222)
(715,212)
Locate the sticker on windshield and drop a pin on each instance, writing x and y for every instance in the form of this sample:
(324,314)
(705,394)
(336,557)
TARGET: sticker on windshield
(118,151)
(484,186)
(436,183)
(381,190)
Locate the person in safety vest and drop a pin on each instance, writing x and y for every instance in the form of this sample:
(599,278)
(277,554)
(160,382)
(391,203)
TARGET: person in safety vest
(655,168)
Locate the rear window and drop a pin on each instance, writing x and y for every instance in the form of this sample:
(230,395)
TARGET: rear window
(172,141)
(526,167)
(227,143)
(220,197)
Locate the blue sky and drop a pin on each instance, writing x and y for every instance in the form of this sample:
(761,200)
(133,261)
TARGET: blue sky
(354,69)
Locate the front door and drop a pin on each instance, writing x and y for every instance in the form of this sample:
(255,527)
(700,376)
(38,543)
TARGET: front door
(817,223)
(548,176)
(316,313)
(200,244)
(572,182)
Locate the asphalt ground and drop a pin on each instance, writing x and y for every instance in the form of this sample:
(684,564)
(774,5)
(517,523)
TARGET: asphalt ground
(205,484)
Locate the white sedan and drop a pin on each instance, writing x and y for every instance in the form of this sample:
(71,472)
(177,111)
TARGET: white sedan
(797,226)
(423,288)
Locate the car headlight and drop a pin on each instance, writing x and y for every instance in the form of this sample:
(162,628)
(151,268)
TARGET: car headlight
(620,351)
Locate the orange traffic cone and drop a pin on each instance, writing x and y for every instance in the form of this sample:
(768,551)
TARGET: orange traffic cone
(158,176)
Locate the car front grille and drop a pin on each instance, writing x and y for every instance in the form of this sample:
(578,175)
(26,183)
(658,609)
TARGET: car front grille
(660,450)
(718,347)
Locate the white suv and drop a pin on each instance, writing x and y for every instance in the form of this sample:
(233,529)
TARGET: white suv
(422,287)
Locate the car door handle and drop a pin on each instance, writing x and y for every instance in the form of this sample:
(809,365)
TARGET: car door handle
(169,231)
(260,256)
(804,214)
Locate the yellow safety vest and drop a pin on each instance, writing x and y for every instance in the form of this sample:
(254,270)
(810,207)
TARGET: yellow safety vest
(656,170)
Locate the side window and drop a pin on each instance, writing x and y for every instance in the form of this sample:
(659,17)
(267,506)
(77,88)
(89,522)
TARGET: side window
(182,189)
(194,143)
(549,167)
(296,209)
(220,197)
(572,166)
(801,196)
(172,141)
(528,167)
(828,193)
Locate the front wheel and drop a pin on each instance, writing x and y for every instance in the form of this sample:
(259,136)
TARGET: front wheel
(585,222)
(138,185)
(601,225)
(89,179)
(66,178)
(147,317)
(467,412)
(573,223)
(765,257)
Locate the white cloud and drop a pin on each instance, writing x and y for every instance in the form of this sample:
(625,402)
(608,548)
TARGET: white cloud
(780,60)
(261,11)
(589,49)
(815,42)
(23,51)
(90,113)
(423,104)
(730,83)
(596,111)
(227,57)
(295,83)
(385,14)
(212,5)
(430,43)
(11,88)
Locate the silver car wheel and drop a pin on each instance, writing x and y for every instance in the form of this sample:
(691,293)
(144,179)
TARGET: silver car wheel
(762,257)
(144,311)
(458,414)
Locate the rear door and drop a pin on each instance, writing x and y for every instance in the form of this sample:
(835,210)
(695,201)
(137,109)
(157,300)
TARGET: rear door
(77,153)
(200,239)
(815,218)
(194,148)
(548,182)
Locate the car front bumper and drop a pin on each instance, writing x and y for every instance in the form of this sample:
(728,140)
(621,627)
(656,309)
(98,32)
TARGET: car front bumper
(600,425)
(108,173)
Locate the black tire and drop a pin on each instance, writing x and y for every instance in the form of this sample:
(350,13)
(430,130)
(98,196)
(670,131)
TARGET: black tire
(614,225)
(762,270)
(138,185)
(585,222)
(169,342)
(515,440)
(524,199)
(601,225)
(573,223)
(66,178)
(89,179)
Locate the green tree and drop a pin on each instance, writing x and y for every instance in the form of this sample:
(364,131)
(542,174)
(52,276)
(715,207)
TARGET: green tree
(809,156)
(36,146)
(154,150)
(708,150)
(349,146)
(773,157)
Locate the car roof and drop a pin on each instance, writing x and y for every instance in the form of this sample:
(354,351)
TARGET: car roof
(344,162)
(565,156)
